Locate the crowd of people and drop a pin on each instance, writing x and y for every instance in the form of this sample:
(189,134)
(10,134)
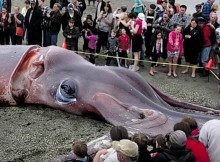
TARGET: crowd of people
(162,31)
(186,143)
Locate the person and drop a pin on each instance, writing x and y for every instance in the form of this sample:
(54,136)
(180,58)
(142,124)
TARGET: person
(112,46)
(100,7)
(165,26)
(7,3)
(206,46)
(88,25)
(193,39)
(181,18)
(79,6)
(0,5)
(209,136)
(162,7)
(45,23)
(80,150)
(33,21)
(194,128)
(123,23)
(159,146)
(151,16)
(17,20)
(214,9)
(206,10)
(55,23)
(120,12)
(157,49)
(172,9)
(127,151)
(5,20)
(197,148)
(176,142)
(124,46)
(25,8)
(117,133)
(93,37)
(198,12)
(105,19)
(138,7)
(71,34)
(92,1)
(142,141)
(71,14)
(174,49)
(137,40)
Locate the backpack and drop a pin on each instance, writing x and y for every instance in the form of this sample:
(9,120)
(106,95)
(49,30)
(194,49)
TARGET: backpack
(172,158)
(212,36)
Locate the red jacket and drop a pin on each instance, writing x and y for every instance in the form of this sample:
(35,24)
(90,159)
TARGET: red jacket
(198,150)
(124,42)
(206,35)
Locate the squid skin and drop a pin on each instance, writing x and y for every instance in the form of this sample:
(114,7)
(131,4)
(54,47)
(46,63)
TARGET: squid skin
(61,79)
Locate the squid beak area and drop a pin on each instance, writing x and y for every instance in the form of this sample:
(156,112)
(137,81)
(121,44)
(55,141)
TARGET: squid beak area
(144,120)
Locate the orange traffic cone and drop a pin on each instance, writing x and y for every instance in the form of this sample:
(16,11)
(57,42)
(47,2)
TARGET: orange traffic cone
(64,44)
(209,64)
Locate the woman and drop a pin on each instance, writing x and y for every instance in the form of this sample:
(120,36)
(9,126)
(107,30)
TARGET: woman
(105,19)
(174,49)
(124,23)
(138,6)
(192,46)
(137,40)
(4,26)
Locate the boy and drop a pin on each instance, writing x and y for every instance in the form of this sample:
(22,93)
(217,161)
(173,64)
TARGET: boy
(112,46)
(71,33)
(124,46)
(80,150)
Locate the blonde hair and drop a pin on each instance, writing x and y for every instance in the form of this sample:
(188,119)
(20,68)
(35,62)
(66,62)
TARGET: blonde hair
(214,7)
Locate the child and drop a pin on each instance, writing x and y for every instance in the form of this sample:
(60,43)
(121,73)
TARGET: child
(124,45)
(157,46)
(92,43)
(174,49)
(80,150)
(112,46)
(71,33)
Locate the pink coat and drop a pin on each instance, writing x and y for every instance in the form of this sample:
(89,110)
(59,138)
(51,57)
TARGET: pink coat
(175,43)
(92,40)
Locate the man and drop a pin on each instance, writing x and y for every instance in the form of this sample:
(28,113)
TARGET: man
(100,7)
(45,23)
(206,44)
(33,20)
(162,7)
(207,9)
(127,151)
(8,4)
(151,16)
(181,18)
(55,23)
(198,12)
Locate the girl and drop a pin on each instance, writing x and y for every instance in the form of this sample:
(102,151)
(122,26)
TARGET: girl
(92,43)
(174,49)
(157,46)
(124,46)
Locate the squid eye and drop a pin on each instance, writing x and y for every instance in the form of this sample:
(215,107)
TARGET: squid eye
(66,92)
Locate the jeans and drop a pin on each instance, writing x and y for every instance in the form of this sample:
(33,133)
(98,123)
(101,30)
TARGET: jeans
(205,55)
(46,38)
(54,39)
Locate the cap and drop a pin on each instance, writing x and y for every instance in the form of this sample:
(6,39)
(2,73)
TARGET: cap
(70,6)
(178,139)
(201,19)
(124,8)
(126,147)
(141,16)
(198,6)
(153,6)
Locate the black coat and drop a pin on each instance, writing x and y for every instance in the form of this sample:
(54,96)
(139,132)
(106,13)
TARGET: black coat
(162,157)
(55,22)
(34,26)
(66,17)
(101,9)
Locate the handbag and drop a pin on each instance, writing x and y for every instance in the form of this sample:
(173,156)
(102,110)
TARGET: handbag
(19,31)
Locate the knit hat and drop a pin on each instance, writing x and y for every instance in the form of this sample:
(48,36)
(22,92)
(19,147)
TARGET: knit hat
(178,139)
(201,19)
(153,6)
(141,16)
(126,147)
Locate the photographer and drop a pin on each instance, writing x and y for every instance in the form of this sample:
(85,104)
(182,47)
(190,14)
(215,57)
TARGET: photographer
(165,25)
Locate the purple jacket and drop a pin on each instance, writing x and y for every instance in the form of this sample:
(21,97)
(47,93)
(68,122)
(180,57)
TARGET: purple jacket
(92,40)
